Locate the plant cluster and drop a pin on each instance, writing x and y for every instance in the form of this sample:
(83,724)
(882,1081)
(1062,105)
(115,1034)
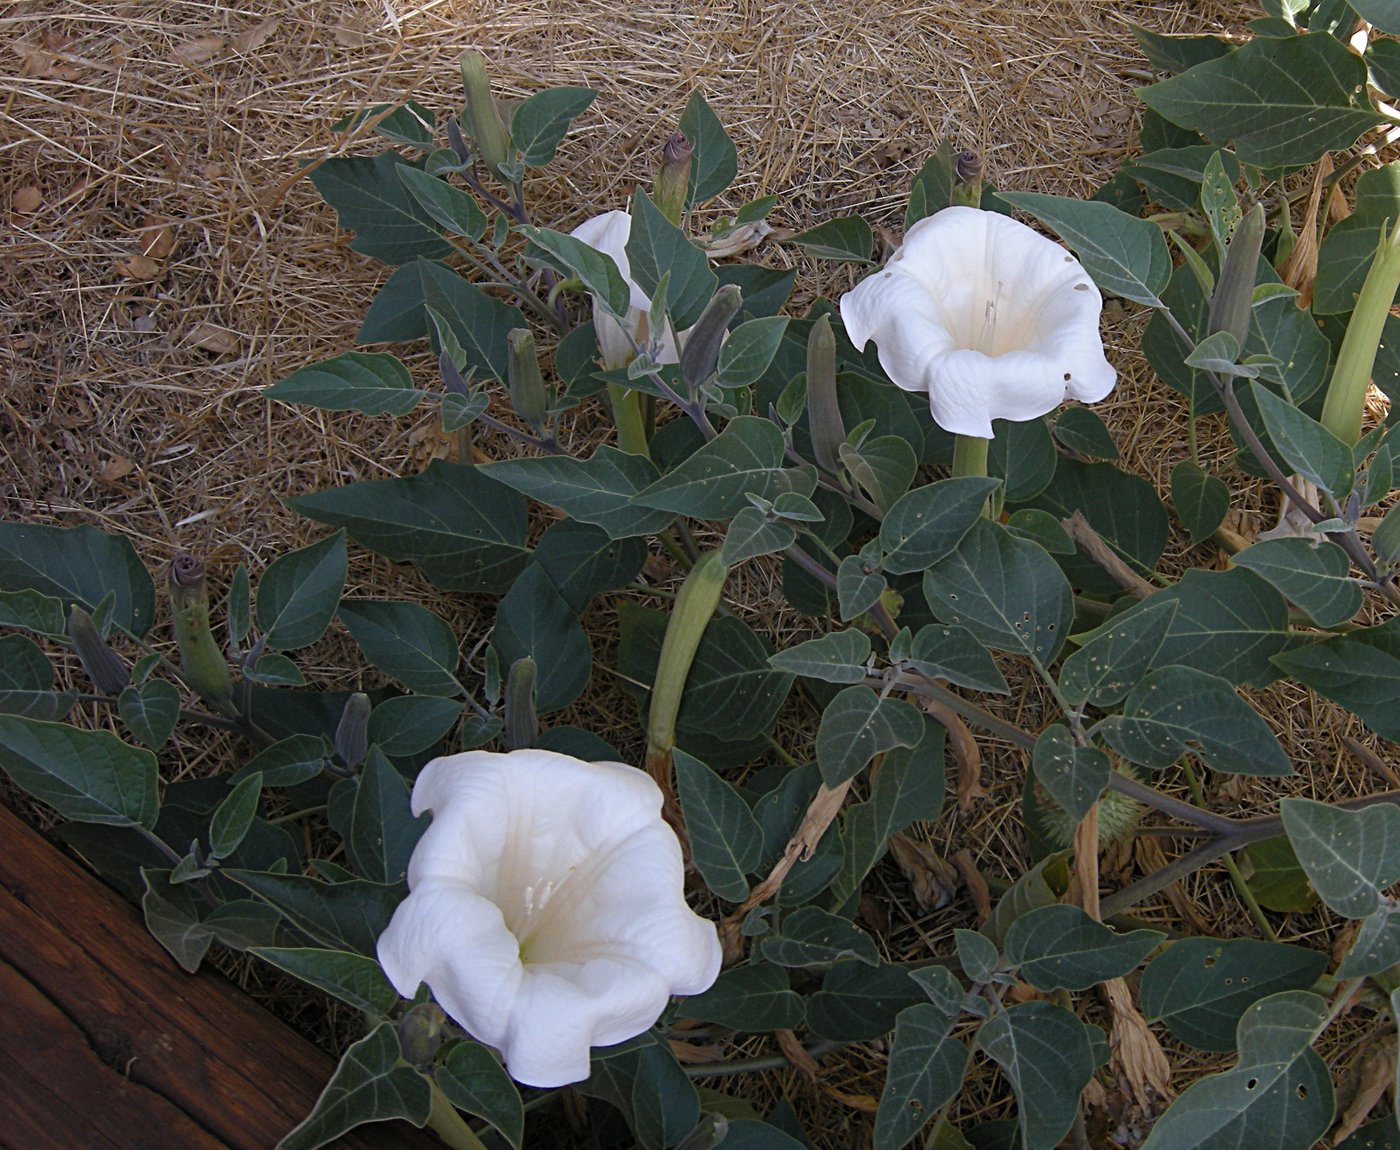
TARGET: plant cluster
(939,565)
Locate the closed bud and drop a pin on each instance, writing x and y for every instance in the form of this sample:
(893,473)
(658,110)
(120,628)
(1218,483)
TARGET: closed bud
(968,169)
(1233,301)
(518,712)
(702,344)
(527,391)
(487,127)
(420,1033)
(103,665)
(202,664)
(352,732)
(673,177)
(823,412)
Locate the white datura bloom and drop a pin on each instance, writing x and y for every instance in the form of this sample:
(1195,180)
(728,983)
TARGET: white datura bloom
(608,234)
(988,317)
(546,911)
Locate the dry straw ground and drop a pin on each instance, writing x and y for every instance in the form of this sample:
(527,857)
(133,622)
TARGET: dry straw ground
(162,263)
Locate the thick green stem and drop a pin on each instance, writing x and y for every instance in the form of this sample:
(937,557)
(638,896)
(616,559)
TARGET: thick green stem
(627,415)
(448,1125)
(695,607)
(1346,394)
(970,455)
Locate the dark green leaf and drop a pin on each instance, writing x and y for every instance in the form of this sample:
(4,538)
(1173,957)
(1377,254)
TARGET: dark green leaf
(407,642)
(926,1069)
(295,759)
(952,653)
(1074,776)
(533,620)
(859,583)
(450,207)
(883,467)
(844,238)
(713,162)
(752,533)
(1350,246)
(1283,102)
(859,1003)
(1179,709)
(33,611)
(1175,54)
(1082,431)
(274,670)
(753,998)
(765,290)
(932,188)
(1314,574)
(583,560)
(837,657)
(1116,656)
(352,978)
(598,490)
(644,1081)
(725,841)
(406,725)
(749,350)
(929,522)
(383,830)
(234,816)
(811,936)
(371,201)
(1200,987)
(90,776)
(481,324)
(465,530)
(1278,1094)
(1006,591)
(1125,255)
(1275,877)
(597,271)
(745,459)
(298,593)
(396,315)
(371,1084)
(1380,1134)
(26,682)
(1308,447)
(476,1082)
(375,384)
(1350,856)
(410,124)
(1042,885)
(348,915)
(856,726)
(171,913)
(78,565)
(657,248)
(1062,948)
(1022,455)
(542,120)
(977,956)
(1376,947)
(1200,499)
(1045,1054)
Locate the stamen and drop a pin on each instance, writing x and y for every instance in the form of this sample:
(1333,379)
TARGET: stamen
(986,341)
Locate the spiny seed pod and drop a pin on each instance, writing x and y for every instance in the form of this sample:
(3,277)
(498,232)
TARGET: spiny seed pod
(352,732)
(1233,301)
(673,177)
(701,351)
(528,394)
(1118,817)
(823,411)
(202,664)
(518,711)
(420,1033)
(103,665)
(488,129)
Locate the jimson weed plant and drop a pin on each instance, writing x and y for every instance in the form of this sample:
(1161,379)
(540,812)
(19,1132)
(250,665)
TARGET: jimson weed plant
(505,899)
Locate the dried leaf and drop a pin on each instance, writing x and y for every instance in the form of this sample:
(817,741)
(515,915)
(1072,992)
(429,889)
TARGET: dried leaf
(1374,1076)
(796,1053)
(932,880)
(865,1103)
(693,1054)
(211,337)
(348,37)
(251,39)
(1137,1055)
(157,237)
(138,267)
(116,468)
(27,200)
(199,50)
(1299,270)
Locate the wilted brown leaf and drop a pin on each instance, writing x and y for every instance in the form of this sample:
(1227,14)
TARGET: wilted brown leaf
(251,39)
(116,468)
(1374,1077)
(199,50)
(1137,1055)
(931,879)
(157,237)
(138,267)
(796,1053)
(211,337)
(27,200)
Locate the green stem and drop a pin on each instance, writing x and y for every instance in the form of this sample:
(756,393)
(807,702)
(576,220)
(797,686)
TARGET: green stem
(970,455)
(627,415)
(1256,912)
(447,1124)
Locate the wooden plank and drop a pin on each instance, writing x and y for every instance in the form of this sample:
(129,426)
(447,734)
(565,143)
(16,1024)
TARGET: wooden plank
(106,1042)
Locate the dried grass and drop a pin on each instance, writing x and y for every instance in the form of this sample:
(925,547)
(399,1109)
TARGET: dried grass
(164,262)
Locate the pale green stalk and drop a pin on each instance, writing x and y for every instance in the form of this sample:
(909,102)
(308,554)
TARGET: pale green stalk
(449,1125)
(627,415)
(1346,394)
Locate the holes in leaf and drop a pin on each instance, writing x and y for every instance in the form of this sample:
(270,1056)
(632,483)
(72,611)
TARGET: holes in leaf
(1252,1084)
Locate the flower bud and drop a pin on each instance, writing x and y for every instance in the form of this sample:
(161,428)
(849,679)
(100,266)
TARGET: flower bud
(352,732)
(968,169)
(420,1033)
(488,129)
(528,394)
(103,665)
(823,411)
(518,711)
(673,177)
(1233,300)
(1356,358)
(701,351)
(202,664)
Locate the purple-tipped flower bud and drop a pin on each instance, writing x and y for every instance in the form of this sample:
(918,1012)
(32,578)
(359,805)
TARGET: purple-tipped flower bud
(823,411)
(420,1033)
(518,712)
(701,351)
(673,177)
(487,127)
(528,394)
(968,169)
(1233,301)
(352,732)
(103,665)
(202,664)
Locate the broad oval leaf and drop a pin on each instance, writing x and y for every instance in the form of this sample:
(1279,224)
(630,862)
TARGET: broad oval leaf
(754,998)
(298,593)
(1074,776)
(1116,656)
(1044,1052)
(475,1081)
(542,120)
(928,523)
(856,726)
(658,250)
(926,1069)
(713,163)
(372,383)
(452,209)
(407,642)
(406,725)
(371,201)
(1313,573)
(860,1003)
(1062,948)
(1350,857)
(837,657)
(533,620)
(726,843)
(352,978)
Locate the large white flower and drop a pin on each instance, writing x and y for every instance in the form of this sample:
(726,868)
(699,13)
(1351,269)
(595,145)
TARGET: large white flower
(546,911)
(608,234)
(987,316)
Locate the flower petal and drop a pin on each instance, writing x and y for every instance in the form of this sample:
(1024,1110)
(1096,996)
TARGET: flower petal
(457,942)
(608,234)
(563,1010)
